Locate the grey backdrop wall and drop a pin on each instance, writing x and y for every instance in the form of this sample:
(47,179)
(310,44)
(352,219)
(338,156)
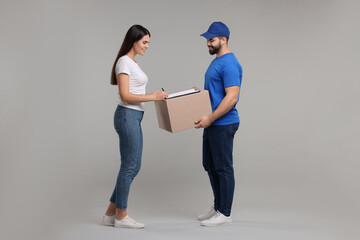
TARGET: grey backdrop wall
(297,148)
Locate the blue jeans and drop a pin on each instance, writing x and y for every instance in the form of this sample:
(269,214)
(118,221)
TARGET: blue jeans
(127,123)
(218,162)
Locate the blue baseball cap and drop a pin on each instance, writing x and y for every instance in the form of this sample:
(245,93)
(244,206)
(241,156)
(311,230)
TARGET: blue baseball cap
(216,29)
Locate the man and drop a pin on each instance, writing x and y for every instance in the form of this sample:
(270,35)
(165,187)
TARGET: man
(223,81)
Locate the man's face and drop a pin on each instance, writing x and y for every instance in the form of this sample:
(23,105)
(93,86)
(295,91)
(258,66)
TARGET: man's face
(214,45)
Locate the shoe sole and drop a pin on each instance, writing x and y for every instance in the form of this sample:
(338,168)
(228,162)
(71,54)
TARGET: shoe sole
(130,227)
(215,225)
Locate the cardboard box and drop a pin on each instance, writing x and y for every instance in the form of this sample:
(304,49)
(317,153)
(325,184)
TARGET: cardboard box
(180,113)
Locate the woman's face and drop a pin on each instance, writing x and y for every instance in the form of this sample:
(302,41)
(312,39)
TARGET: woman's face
(141,45)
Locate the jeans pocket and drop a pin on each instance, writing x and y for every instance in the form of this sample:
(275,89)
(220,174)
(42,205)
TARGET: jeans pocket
(234,128)
(119,113)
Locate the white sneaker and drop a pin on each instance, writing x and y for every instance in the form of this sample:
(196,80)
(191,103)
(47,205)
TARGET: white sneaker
(128,222)
(216,220)
(108,220)
(208,215)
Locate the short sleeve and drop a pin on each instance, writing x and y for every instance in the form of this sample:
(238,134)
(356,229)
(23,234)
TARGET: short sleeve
(122,66)
(232,75)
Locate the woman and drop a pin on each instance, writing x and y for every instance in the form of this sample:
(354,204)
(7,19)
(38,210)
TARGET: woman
(131,81)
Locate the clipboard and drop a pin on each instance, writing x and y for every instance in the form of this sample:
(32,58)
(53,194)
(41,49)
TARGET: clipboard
(183,93)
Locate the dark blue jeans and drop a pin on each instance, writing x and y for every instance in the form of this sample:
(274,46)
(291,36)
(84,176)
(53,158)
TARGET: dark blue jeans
(218,162)
(127,123)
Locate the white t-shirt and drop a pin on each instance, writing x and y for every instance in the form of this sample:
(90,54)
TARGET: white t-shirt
(137,80)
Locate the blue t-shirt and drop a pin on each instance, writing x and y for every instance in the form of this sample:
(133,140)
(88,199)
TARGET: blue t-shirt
(224,71)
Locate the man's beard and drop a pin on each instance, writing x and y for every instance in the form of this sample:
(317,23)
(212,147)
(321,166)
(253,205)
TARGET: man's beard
(215,49)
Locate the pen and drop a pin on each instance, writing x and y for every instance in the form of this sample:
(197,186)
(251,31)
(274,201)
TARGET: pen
(163,89)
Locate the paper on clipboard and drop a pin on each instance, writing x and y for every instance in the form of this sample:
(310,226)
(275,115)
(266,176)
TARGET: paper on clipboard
(182,93)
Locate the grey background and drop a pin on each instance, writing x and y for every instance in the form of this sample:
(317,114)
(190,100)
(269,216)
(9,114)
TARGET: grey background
(296,152)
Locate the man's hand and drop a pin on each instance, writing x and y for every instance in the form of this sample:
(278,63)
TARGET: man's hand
(203,122)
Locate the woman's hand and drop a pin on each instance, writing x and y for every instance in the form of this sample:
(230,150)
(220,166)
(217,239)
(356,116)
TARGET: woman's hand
(158,95)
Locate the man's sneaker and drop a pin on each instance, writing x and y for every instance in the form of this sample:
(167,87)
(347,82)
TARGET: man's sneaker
(128,222)
(108,220)
(208,215)
(216,220)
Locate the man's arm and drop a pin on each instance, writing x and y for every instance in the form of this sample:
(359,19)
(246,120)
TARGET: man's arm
(230,99)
